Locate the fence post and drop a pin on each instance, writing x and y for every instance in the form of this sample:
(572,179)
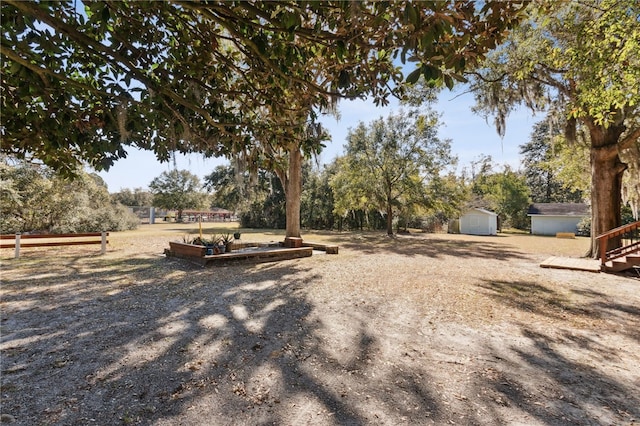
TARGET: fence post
(17,255)
(104,242)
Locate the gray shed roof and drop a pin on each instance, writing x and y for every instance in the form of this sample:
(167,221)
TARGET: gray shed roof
(485,211)
(558,209)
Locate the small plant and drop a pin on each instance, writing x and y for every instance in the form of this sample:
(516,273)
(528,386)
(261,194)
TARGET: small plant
(204,241)
(187,239)
(226,240)
(584,227)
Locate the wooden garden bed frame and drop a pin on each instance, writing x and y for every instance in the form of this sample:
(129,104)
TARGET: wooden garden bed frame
(270,252)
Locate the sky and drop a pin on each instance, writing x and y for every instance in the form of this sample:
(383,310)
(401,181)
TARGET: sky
(470,134)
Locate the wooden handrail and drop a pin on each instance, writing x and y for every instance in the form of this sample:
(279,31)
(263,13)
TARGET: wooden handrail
(620,251)
(620,230)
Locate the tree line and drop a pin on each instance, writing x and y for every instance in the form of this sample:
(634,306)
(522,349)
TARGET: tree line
(395,174)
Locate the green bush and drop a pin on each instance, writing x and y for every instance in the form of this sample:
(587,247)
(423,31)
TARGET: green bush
(35,199)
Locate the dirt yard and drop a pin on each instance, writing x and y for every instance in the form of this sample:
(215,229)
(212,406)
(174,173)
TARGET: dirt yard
(419,329)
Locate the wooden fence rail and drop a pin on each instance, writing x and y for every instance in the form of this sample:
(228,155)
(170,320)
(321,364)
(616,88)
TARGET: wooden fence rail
(70,240)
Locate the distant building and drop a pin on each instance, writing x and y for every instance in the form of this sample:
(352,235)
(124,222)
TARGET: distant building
(216,214)
(551,218)
(477,221)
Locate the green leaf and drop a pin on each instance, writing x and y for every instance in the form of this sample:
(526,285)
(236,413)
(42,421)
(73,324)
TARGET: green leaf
(341,49)
(448,81)
(410,14)
(344,80)
(414,76)
(459,77)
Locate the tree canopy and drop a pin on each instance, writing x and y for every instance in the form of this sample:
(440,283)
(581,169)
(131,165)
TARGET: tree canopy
(177,190)
(543,162)
(503,192)
(389,163)
(137,197)
(82,82)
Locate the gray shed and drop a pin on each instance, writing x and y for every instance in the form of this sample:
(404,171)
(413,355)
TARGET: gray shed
(551,218)
(479,222)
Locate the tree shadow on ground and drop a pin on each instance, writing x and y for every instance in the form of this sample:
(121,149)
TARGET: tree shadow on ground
(153,341)
(575,305)
(423,245)
(576,375)
(561,387)
(148,340)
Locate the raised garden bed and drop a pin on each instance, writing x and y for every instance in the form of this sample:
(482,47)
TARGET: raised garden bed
(184,250)
(245,251)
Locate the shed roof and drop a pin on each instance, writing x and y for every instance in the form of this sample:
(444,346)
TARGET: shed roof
(481,210)
(558,209)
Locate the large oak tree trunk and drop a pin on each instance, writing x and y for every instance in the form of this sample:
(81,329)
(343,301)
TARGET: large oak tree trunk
(293,192)
(606,183)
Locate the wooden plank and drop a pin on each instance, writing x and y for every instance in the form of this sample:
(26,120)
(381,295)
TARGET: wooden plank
(51,236)
(184,249)
(52,244)
(293,242)
(264,253)
(589,265)
(259,254)
(328,248)
(267,255)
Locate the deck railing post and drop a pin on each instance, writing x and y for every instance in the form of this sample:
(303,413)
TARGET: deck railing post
(17,253)
(104,242)
(604,242)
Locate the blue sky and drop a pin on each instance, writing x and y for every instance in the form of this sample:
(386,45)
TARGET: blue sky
(471,137)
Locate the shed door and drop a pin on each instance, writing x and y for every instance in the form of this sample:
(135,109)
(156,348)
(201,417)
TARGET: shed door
(474,224)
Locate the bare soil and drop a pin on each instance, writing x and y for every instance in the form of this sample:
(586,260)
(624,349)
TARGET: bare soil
(419,329)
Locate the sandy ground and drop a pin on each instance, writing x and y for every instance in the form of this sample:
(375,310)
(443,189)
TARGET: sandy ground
(418,329)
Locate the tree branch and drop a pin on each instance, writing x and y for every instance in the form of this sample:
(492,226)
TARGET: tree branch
(122,61)
(42,72)
(628,140)
(486,80)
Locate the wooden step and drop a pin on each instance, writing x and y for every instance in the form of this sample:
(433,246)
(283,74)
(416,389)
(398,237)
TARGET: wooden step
(633,258)
(623,263)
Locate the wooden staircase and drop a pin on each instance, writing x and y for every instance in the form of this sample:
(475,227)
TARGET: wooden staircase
(625,257)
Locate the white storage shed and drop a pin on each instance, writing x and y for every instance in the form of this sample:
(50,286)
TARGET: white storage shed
(477,221)
(552,218)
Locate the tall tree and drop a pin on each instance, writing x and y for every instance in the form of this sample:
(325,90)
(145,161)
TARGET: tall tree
(580,60)
(258,198)
(234,78)
(137,197)
(388,164)
(317,197)
(228,188)
(504,192)
(508,195)
(538,155)
(177,190)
